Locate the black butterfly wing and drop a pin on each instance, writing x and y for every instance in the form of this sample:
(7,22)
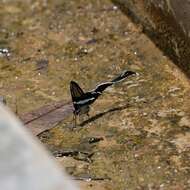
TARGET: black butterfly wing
(79,98)
(76,91)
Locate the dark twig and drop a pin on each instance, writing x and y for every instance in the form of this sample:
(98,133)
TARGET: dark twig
(77,155)
(91,178)
(92,140)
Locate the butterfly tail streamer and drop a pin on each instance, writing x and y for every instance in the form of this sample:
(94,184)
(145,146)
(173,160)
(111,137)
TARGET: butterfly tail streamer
(101,87)
(123,76)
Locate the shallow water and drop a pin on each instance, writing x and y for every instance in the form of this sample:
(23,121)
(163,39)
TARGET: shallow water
(144,121)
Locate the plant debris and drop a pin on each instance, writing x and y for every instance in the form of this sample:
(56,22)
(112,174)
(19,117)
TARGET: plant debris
(91,178)
(46,117)
(77,155)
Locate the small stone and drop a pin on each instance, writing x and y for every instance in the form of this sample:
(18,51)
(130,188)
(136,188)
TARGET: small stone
(162,185)
(4,52)
(185,121)
(115,8)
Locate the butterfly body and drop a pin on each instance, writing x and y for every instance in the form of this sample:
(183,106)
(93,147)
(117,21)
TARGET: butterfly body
(81,103)
(82,100)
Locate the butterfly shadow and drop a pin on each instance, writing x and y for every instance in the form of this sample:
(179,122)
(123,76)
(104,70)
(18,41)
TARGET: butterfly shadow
(99,115)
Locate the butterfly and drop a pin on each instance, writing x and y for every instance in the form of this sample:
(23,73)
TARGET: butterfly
(82,100)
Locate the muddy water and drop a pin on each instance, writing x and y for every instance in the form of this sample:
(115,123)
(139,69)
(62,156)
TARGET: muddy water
(144,121)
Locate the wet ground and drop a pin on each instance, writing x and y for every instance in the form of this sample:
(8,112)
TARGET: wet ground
(142,125)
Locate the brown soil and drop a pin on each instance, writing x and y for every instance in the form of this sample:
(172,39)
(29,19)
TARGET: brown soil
(144,120)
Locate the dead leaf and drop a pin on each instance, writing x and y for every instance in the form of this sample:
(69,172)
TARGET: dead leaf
(46,117)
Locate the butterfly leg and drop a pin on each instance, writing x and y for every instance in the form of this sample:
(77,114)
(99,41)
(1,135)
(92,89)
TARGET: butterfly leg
(74,120)
(80,119)
(87,112)
(88,115)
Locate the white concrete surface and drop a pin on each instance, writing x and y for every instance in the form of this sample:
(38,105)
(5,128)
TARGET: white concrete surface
(24,163)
